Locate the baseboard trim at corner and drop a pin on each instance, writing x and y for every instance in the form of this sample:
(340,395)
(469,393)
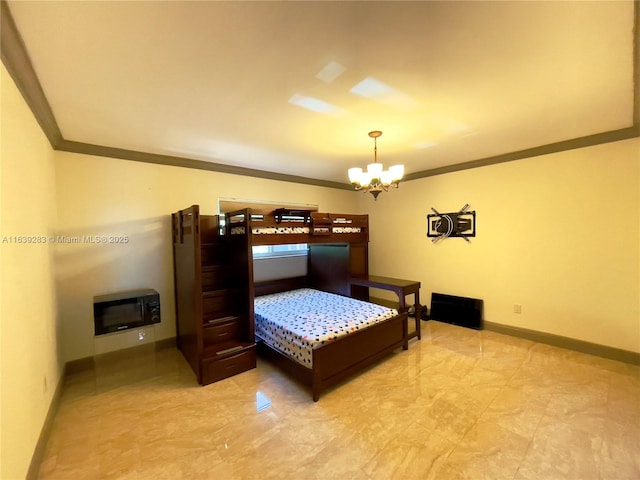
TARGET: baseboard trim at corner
(89,363)
(73,366)
(45,433)
(596,349)
(79,365)
(170,342)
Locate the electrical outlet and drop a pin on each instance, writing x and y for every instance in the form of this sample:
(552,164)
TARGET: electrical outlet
(517,308)
(45,386)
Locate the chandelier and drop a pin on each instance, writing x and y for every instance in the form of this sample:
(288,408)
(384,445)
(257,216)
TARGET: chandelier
(375,179)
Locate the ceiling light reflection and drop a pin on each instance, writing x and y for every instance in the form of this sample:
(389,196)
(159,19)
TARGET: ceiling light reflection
(383,93)
(424,145)
(316,105)
(330,72)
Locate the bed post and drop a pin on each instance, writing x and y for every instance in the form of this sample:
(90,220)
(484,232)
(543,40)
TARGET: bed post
(315,390)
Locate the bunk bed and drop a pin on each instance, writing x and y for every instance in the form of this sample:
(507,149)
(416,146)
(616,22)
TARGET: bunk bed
(337,250)
(216,293)
(284,226)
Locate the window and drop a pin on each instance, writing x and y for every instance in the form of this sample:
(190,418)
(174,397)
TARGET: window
(271,251)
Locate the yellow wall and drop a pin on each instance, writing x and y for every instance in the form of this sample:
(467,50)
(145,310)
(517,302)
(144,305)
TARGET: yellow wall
(558,234)
(102,196)
(31,366)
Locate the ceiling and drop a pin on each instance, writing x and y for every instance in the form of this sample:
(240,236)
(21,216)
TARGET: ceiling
(294,87)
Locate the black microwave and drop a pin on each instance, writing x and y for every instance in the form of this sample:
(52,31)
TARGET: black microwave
(124,310)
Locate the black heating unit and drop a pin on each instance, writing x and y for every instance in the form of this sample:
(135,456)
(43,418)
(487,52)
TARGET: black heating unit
(463,311)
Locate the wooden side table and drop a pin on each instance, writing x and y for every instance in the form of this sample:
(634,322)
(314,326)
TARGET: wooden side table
(402,288)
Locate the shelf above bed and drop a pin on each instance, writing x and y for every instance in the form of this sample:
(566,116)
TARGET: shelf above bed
(292,226)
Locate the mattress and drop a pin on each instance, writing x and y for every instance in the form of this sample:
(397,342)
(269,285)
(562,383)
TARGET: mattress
(297,321)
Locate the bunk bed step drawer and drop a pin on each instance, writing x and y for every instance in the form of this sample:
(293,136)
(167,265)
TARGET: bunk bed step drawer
(239,360)
(222,330)
(212,255)
(216,302)
(213,278)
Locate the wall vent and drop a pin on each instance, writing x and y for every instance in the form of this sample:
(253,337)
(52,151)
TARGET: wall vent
(463,311)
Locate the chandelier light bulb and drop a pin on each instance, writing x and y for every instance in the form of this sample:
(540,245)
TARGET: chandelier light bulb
(354,175)
(374,169)
(375,179)
(386,178)
(397,172)
(365,179)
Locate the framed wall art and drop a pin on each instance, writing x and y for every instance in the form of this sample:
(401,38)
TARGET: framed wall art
(460,224)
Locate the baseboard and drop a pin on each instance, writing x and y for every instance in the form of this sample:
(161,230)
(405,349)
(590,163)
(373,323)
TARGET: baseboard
(88,363)
(166,343)
(79,365)
(41,445)
(74,366)
(598,350)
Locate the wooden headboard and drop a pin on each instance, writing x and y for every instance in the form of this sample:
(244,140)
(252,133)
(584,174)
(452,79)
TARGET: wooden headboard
(282,285)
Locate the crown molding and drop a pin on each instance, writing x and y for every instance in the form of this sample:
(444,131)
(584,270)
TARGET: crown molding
(581,142)
(123,154)
(17,62)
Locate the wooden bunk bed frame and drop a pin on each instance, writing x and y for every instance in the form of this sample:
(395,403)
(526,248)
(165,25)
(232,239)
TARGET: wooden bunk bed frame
(214,297)
(337,360)
(298,226)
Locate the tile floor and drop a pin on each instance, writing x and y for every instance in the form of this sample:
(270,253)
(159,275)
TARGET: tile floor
(458,404)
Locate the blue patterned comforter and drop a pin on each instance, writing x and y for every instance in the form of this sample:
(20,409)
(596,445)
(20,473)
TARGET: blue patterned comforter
(297,321)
